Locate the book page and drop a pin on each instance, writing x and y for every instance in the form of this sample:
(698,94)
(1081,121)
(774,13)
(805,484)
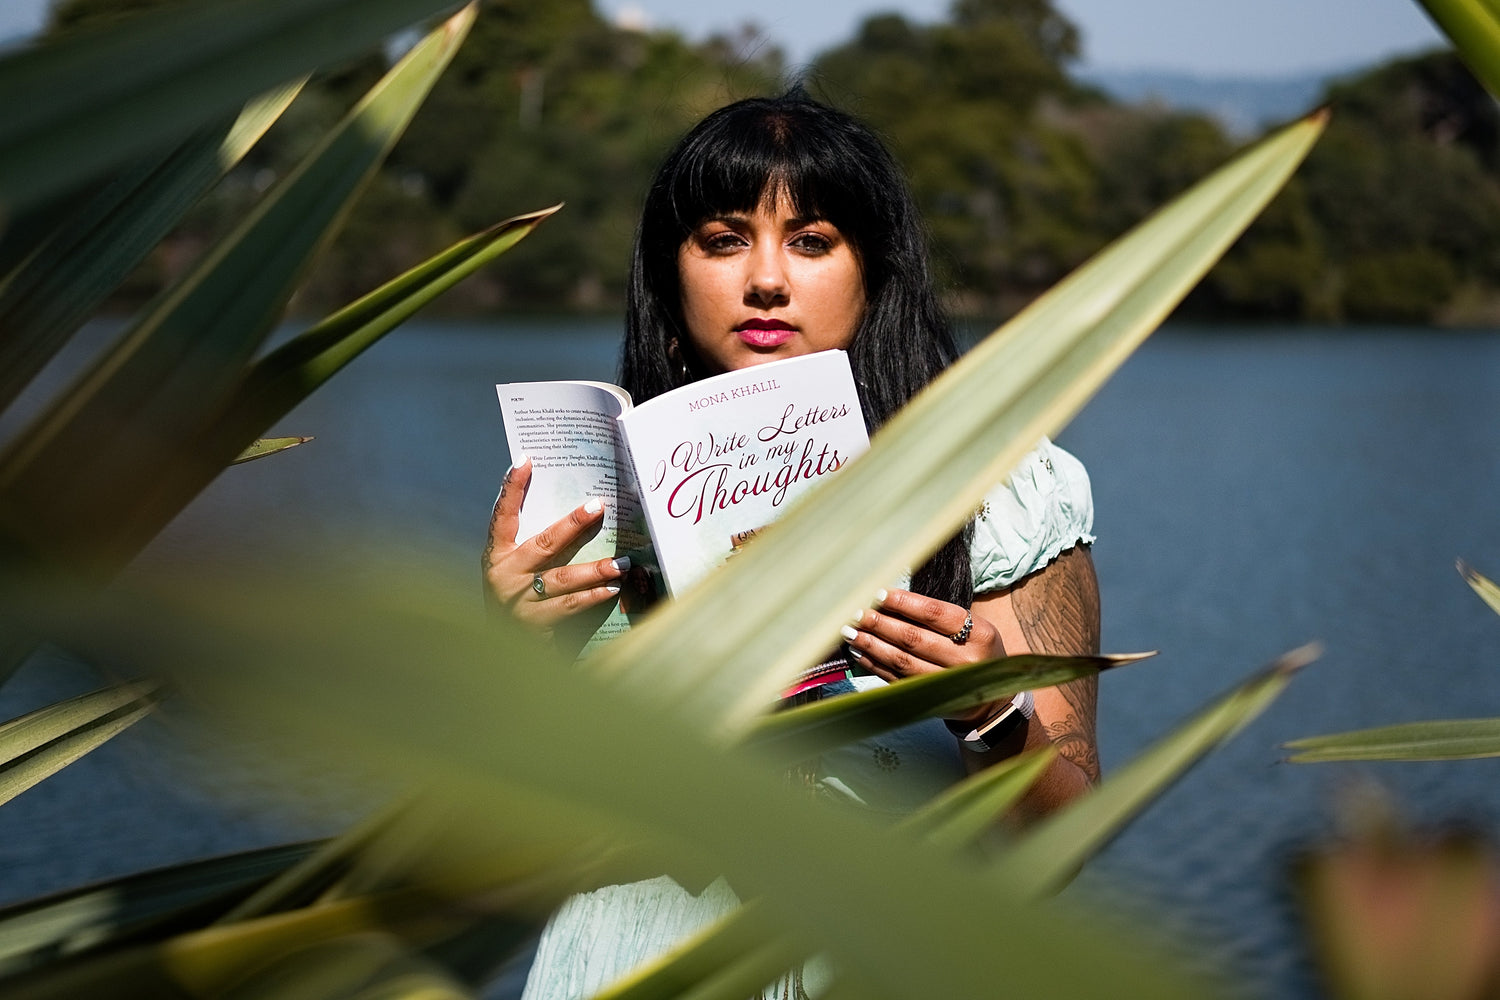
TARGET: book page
(719,460)
(569,431)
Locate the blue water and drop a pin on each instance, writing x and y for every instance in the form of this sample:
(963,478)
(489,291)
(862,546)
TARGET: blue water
(1254,489)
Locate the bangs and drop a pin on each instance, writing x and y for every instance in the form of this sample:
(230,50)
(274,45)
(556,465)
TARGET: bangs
(733,168)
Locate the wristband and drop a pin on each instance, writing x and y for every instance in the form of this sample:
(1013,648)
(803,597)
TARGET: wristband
(993,731)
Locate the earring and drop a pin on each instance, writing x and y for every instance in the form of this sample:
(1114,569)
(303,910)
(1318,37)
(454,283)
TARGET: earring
(674,353)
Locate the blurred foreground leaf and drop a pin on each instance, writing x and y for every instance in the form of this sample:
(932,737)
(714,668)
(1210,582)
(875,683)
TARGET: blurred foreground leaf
(745,939)
(126,910)
(44,742)
(75,105)
(928,467)
(1474,27)
(1446,739)
(432,698)
(119,431)
(963,813)
(60,285)
(1054,849)
(1483,585)
(1401,918)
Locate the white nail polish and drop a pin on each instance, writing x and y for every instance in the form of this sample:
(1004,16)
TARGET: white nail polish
(594,506)
(880,596)
(859,616)
(621,563)
(855,654)
(516,461)
(612,589)
(848,633)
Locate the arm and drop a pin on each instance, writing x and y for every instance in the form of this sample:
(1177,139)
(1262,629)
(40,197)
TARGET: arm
(1054,610)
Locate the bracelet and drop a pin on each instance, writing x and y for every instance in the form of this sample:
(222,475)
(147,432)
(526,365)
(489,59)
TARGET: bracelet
(993,731)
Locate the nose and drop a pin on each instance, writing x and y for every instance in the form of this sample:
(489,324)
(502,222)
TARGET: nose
(766,283)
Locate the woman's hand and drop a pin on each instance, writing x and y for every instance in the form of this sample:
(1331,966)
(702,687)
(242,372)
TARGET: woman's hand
(911,634)
(511,571)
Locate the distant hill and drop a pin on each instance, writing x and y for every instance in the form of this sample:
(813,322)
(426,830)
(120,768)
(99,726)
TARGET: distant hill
(1242,105)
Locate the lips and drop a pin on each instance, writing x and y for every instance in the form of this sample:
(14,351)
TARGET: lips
(765,332)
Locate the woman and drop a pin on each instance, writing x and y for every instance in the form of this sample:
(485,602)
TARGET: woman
(780,227)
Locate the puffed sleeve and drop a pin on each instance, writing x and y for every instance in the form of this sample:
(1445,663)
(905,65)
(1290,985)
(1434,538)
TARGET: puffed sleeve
(1045,508)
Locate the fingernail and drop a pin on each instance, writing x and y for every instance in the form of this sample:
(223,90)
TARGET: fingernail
(848,633)
(859,616)
(612,589)
(620,563)
(594,506)
(516,461)
(855,654)
(880,596)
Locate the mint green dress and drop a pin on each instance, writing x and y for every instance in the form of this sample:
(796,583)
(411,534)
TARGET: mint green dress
(594,938)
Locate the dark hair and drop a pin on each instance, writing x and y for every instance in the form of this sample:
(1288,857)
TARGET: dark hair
(830,166)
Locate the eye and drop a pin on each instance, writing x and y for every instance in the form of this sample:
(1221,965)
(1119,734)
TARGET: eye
(811,243)
(725,241)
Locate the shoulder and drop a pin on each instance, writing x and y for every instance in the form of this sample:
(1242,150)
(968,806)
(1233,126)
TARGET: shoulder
(1044,508)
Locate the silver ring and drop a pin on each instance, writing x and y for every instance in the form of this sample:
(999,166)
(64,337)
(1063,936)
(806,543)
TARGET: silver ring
(541,588)
(962,635)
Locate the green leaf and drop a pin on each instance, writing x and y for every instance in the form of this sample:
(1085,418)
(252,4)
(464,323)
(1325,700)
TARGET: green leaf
(963,813)
(212,961)
(498,712)
(730,959)
(362,966)
(822,725)
(268,446)
(78,104)
(313,874)
(163,902)
(1482,585)
(119,431)
(44,742)
(289,374)
(1054,849)
(1474,27)
(929,466)
(954,820)
(1448,739)
(50,295)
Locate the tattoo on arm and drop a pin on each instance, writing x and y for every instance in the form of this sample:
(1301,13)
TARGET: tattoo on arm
(1058,610)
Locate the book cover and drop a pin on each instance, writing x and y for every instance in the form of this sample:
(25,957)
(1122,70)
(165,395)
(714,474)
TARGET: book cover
(688,477)
(719,460)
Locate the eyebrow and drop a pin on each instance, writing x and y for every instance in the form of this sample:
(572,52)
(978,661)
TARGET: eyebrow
(741,217)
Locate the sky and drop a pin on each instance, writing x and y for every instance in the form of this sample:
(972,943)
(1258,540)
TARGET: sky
(1263,38)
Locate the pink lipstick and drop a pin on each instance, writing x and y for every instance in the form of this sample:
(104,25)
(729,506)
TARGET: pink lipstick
(765,332)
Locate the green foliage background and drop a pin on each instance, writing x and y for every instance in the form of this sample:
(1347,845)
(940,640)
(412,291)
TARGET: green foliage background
(1022,171)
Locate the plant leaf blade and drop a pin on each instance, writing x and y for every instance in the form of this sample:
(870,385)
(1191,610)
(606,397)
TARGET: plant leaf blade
(1056,847)
(41,743)
(1482,585)
(262,447)
(77,105)
(1445,739)
(57,287)
(822,725)
(1474,28)
(290,373)
(117,431)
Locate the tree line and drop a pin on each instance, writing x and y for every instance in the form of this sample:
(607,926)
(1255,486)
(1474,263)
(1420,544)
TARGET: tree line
(1021,170)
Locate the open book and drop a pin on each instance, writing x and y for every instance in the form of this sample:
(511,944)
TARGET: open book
(687,477)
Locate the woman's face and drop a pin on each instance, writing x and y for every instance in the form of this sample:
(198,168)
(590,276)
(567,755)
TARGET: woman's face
(767,285)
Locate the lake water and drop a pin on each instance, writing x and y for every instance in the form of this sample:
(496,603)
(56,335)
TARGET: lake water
(1254,489)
